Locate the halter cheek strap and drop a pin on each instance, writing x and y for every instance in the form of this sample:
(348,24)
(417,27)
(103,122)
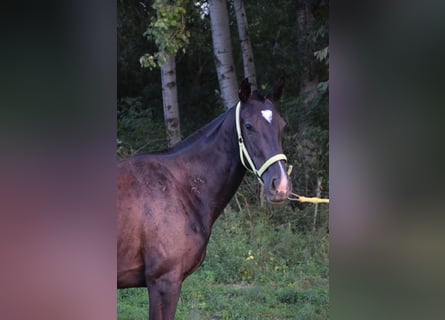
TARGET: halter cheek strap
(244,154)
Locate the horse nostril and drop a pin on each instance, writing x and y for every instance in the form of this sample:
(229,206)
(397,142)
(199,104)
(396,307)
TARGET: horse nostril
(274,184)
(279,186)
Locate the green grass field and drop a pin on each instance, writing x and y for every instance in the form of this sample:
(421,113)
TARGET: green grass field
(253,270)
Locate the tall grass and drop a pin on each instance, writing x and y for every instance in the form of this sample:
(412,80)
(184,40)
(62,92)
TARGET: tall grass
(254,269)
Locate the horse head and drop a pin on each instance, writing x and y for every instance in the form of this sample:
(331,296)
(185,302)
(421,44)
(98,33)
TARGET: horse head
(260,128)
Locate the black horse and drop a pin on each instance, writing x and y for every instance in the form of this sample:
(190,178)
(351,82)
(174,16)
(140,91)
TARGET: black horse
(168,201)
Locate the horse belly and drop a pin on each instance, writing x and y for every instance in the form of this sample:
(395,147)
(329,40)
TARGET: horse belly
(172,249)
(130,241)
(131,278)
(130,262)
(157,233)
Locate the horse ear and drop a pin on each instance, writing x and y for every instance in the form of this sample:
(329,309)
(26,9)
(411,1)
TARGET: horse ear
(278,90)
(244,90)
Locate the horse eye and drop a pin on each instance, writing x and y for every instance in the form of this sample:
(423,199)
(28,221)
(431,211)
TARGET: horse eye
(248,126)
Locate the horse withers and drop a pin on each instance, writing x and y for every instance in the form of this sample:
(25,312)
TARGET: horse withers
(168,201)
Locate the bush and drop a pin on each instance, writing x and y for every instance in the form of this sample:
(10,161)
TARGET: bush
(137,128)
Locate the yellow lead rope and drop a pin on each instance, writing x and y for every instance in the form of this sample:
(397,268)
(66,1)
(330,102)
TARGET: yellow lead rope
(296,197)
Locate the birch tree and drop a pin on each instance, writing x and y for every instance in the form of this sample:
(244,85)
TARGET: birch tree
(170,101)
(246,45)
(222,49)
(169,32)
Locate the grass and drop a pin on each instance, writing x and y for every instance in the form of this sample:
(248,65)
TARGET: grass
(253,270)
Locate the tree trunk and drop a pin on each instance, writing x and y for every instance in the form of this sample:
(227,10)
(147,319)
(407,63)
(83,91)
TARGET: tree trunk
(222,49)
(170,101)
(246,46)
(307,61)
(318,195)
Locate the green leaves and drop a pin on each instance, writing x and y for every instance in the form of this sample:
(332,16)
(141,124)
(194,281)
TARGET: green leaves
(148,61)
(322,55)
(167,30)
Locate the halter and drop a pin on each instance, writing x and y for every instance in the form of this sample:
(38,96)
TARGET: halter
(245,154)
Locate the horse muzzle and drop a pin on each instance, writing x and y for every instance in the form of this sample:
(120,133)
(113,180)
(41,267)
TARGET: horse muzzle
(278,187)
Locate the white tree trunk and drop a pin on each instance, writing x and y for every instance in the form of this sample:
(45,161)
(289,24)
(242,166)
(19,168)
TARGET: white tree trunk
(170,101)
(246,46)
(222,49)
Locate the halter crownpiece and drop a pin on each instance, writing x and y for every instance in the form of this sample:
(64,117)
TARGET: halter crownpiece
(245,154)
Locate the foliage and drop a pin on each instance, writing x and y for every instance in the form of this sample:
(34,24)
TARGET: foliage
(307,143)
(273,41)
(322,55)
(167,30)
(137,129)
(258,271)
(320,39)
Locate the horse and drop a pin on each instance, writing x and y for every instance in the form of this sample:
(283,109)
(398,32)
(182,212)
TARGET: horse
(168,201)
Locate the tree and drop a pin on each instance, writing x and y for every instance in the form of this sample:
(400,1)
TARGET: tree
(170,101)
(169,32)
(222,49)
(312,48)
(246,46)
(308,74)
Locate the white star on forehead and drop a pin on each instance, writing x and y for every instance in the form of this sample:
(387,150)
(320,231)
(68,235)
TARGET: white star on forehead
(267,114)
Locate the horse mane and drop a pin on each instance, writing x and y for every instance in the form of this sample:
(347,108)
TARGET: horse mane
(207,130)
(256,95)
(204,132)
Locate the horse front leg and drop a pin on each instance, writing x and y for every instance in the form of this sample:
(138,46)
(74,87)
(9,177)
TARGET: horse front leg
(164,295)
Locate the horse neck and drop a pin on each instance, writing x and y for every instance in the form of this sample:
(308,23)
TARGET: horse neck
(217,171)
